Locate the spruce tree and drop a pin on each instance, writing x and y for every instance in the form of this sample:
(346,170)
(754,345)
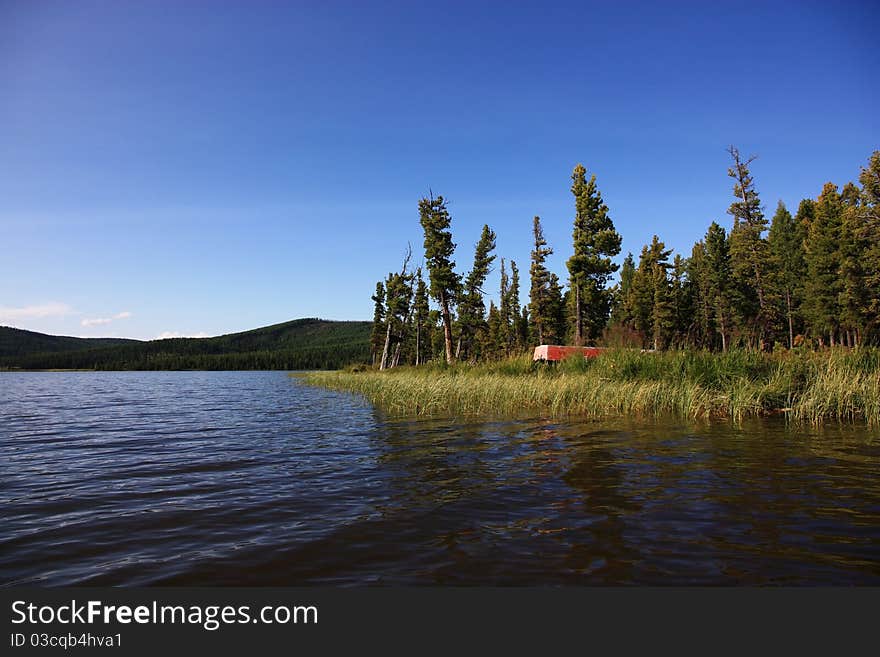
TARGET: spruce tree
(504,311)
(823,285)
(556,312)
(494,337)
(471,308)
(748,250)
(377,334)
(703,321)
(540,295)
(515,334)
(786,244)
(643,291)
(869,178)
(717,272)
(854,247)
(595,243)
(627,274)
(439,248)
(662,311)
(421,320)
(398,302)
(805,213)
(682,298)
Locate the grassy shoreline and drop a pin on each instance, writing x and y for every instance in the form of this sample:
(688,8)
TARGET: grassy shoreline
(806,387)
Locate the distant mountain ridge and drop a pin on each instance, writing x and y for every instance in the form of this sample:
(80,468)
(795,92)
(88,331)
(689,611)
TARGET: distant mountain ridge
(308,343)
(19,342)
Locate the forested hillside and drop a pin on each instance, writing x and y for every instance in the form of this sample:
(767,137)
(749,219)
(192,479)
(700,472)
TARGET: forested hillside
(18,342)
(299,344)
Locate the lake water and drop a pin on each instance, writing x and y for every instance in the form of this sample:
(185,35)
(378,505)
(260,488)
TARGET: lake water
(251,478)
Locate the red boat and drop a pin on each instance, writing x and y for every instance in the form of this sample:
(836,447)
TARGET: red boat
(553,352)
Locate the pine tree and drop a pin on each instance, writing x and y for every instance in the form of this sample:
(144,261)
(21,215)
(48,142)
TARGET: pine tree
(472,309)
(682,298)
(823,285)
(540,294)
(805,213)
(398,301)
(504,311)
(623,310)
(439,248)
(717,272)
(377,335)
(748,250)
(421,320)
(853,249)
(662,311)
(869,178)
(513,307)
(703,323)
(786,244)
(555,330)
(494,336)
(595,243)
(643,287)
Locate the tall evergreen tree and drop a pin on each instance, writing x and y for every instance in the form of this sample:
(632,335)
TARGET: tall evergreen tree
(805,213)
(540,294)
(703,323)
(853,249)
(439,248)
(555,329)
(514,341)
(398,300)
(495,336)
(786,244)
(377,335)
(823,285)
(627,274)
(471,308)
(595,243)
(681,297)
(869,178)
(717,272)
(421,320)
(748,250)
(504,311)
(644,283)
(662,311)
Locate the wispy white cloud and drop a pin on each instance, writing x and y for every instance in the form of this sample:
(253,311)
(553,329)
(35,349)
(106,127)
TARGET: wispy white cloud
(100,321)
(165,335)
(37,311)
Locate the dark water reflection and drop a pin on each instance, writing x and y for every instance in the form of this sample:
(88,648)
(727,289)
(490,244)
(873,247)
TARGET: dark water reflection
(251,478)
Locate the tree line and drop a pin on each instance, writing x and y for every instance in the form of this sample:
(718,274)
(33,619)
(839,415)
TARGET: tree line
(808,280)
(308,343)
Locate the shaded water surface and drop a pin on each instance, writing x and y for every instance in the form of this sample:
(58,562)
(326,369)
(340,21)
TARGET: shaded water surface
(252,478)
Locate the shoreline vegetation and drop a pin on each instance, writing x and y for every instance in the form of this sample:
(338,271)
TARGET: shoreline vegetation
(773,316)
(806,387)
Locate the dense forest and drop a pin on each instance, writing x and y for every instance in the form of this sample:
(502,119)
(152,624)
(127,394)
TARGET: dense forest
(19,342)
(807,280)
(297,345)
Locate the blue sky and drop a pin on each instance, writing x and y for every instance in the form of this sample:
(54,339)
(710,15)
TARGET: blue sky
(202,168)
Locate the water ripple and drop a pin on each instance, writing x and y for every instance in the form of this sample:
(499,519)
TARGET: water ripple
(251,478)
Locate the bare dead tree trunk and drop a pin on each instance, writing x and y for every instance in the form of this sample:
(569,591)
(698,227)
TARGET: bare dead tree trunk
(447,327)
(384,360)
